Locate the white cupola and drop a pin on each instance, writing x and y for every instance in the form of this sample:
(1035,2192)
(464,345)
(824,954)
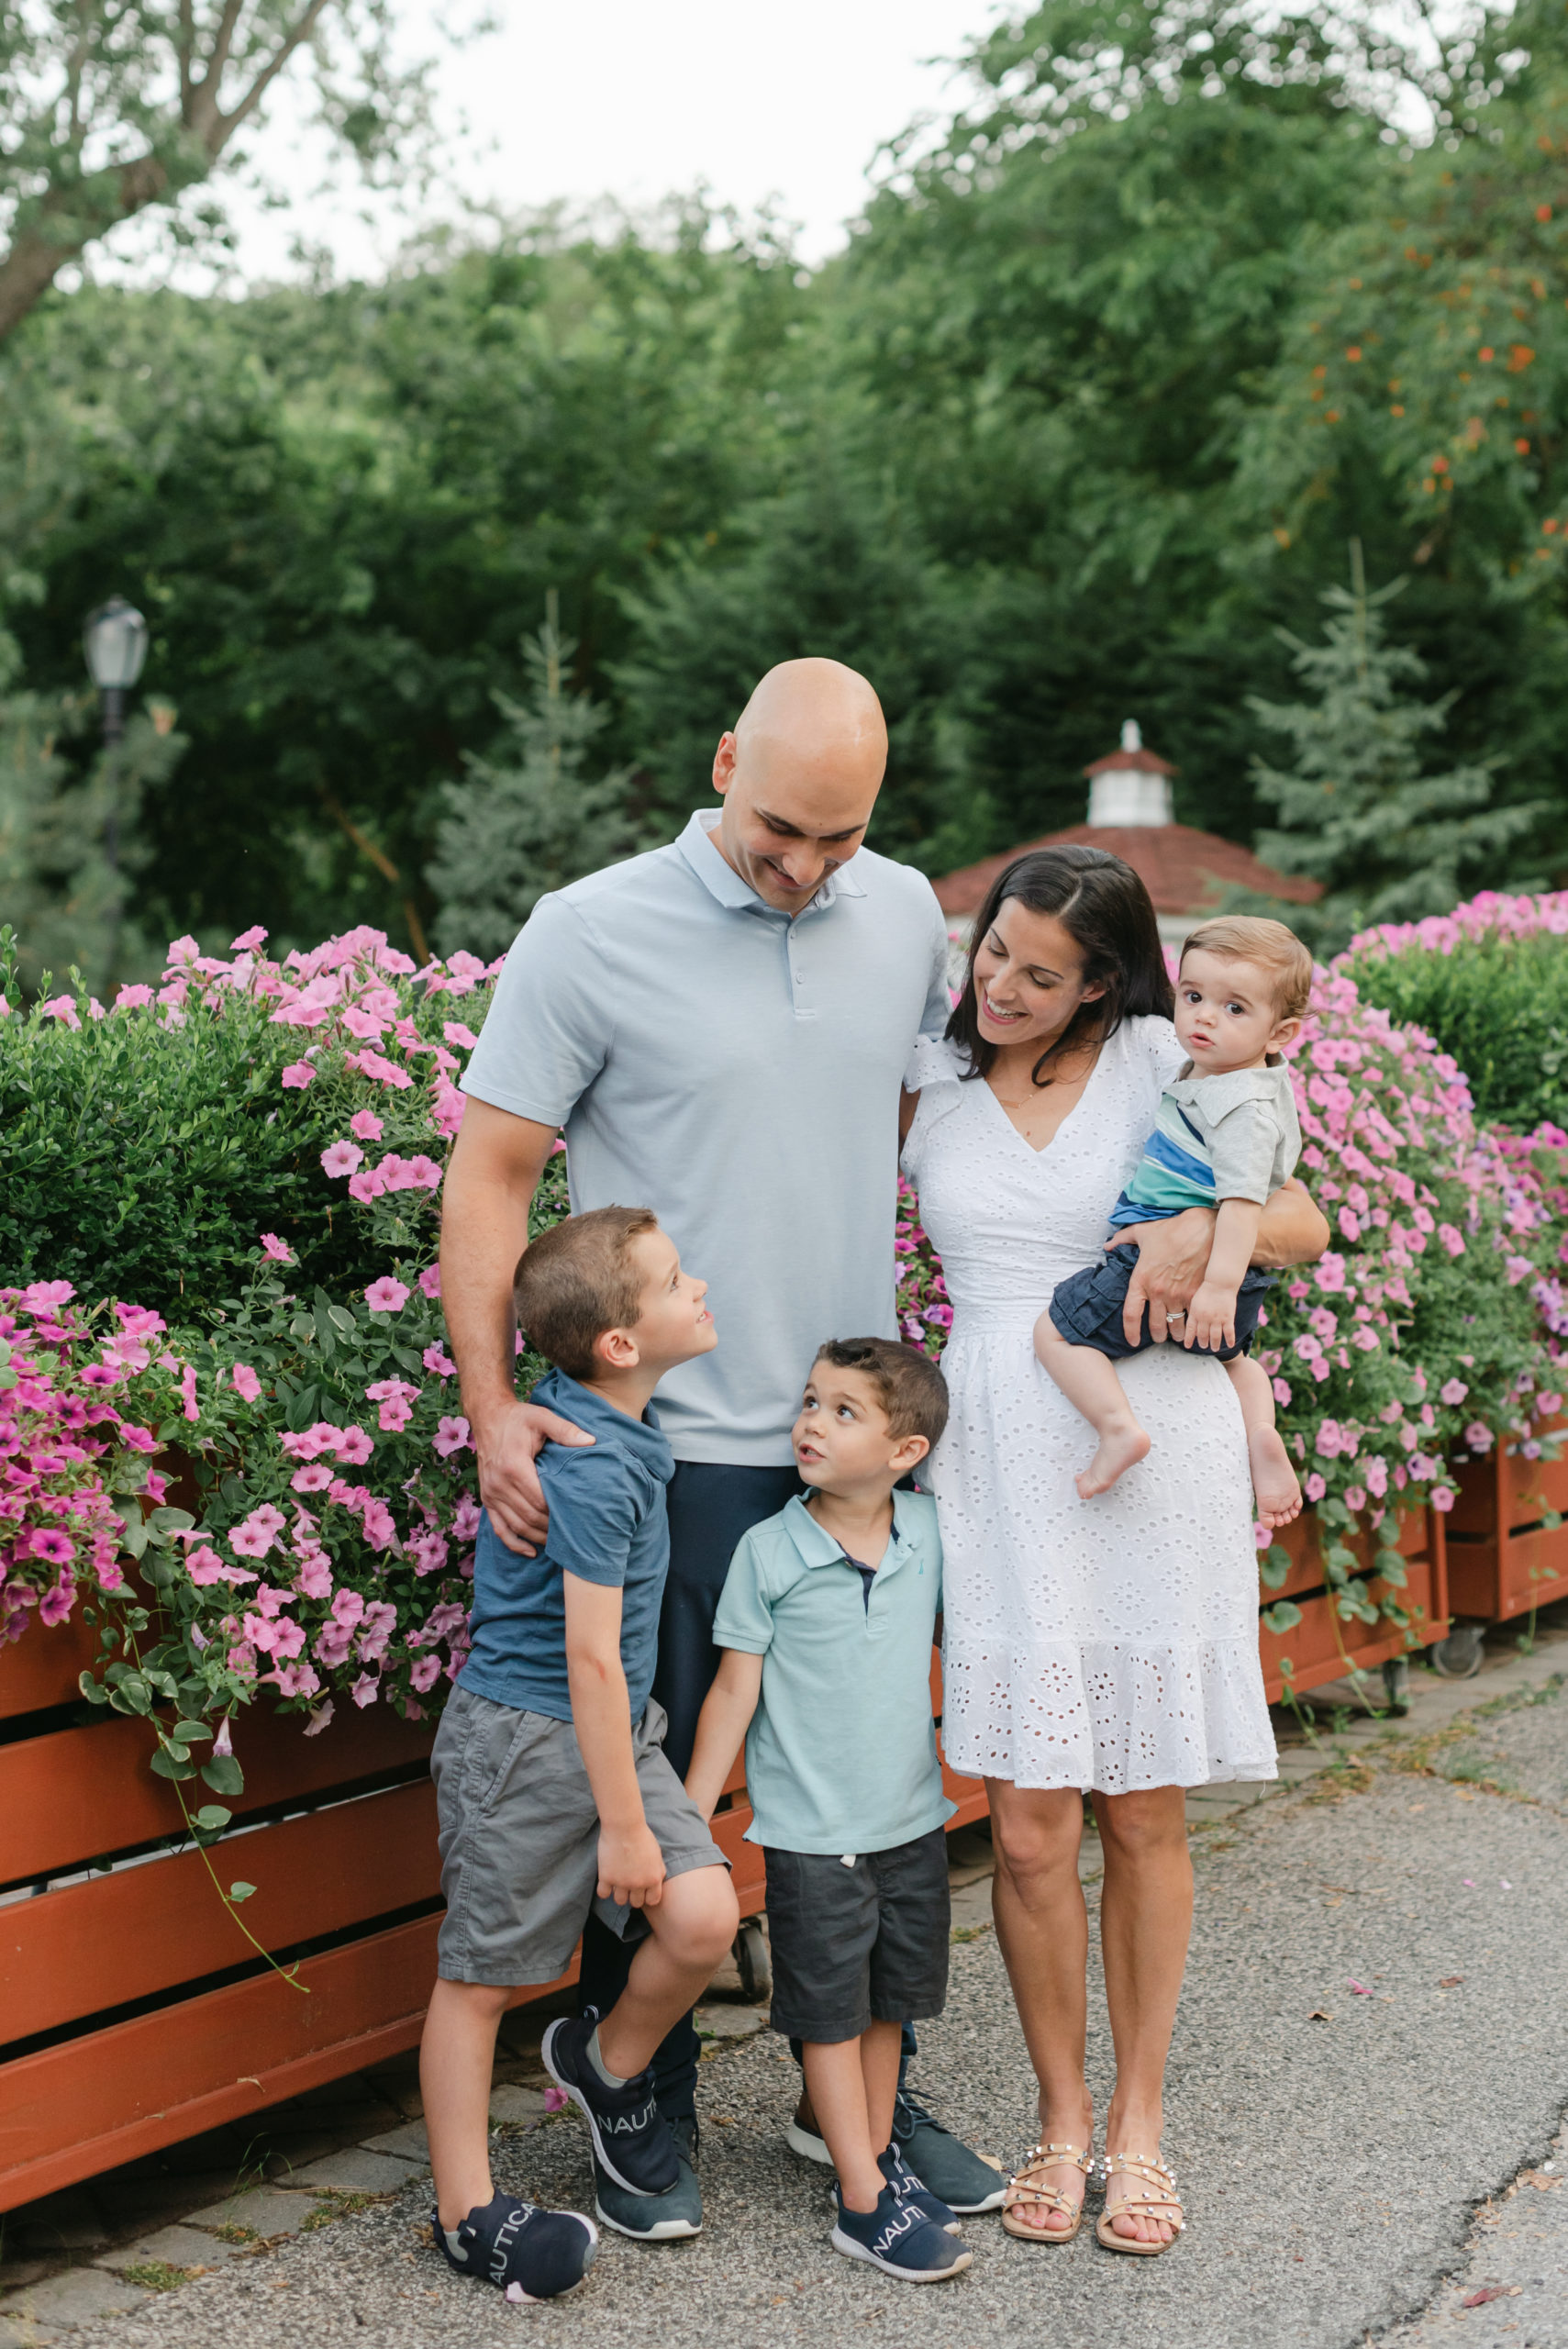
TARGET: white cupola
(1131,786)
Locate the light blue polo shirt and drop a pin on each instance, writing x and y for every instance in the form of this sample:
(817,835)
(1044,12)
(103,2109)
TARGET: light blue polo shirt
(841,1754)
(738,1071)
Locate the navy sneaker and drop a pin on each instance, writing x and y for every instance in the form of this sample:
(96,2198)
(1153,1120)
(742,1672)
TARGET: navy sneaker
(530,2254)
(655,2217)
(897,2239)
(910,2188)
(965,2181)
(631,2141)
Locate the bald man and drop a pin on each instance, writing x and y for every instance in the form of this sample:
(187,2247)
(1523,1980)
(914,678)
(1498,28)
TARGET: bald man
(721,1028)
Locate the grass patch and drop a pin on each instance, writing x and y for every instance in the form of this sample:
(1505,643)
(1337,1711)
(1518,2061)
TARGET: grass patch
(232,2231)
(339,2202)
(970,1932)
(159,2275)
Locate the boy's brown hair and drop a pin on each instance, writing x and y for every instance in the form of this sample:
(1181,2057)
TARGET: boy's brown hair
(1251,938)
(911,1389)
(577,1280)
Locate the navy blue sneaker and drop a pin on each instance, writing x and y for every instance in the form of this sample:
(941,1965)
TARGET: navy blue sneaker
(910,2188)
(631,2141)
(670,2216)
(531,2255)
(965,2181)
(897,2239)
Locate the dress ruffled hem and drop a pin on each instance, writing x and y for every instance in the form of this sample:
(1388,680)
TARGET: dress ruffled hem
(1108,1716)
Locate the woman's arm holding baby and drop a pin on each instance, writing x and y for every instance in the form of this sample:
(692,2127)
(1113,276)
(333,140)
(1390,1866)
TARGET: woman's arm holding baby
(725,1717)
(1173,1254)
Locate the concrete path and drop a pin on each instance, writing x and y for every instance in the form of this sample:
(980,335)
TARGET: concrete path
(1369,2080)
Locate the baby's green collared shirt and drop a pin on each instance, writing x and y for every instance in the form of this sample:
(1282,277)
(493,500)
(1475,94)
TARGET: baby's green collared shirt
(841,1754)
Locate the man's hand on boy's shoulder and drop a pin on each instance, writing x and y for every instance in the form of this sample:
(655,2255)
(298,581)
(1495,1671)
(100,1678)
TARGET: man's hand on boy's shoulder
(507,1447)
(631,1867)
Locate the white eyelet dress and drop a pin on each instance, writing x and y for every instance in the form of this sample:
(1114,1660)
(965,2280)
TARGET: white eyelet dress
(1108,1643)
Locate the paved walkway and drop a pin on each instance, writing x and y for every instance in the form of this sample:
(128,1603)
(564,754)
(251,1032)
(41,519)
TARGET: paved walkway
(1369,2079)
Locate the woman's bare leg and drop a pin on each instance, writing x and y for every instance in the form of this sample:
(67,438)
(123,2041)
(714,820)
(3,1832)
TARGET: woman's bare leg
(1043,1928)
(1146,1915)
(1090,1384)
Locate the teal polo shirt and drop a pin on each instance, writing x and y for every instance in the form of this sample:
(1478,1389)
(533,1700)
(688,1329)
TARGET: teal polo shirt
(841,1754)
(738,1069)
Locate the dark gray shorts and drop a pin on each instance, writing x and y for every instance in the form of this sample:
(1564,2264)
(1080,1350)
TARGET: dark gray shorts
(519,1837)
(858,1945)
(1087,1309)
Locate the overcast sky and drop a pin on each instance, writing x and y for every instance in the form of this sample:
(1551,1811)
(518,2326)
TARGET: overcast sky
(635,98)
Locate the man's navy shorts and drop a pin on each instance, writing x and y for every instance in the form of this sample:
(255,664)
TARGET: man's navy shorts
(1087,1309)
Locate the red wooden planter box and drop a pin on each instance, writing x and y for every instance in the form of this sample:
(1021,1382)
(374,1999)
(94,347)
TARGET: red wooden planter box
(1323,1646)
(1502,1560)
(345,1853)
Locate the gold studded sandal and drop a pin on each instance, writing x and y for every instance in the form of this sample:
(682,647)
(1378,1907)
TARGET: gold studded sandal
(1025,2186)
(1157,2199)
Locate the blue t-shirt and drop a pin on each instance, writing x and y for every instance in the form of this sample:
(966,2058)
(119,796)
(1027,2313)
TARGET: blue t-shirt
(606,1525)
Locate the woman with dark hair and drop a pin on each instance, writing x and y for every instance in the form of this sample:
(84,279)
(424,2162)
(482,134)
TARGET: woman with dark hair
(1106,1646)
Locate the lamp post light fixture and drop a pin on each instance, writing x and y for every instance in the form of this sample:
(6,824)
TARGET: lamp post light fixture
(113,639)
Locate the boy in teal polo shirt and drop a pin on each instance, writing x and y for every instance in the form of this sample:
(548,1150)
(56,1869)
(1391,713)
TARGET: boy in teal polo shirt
(827,1624)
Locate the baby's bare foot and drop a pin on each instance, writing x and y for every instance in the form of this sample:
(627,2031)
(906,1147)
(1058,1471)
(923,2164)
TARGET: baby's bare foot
(1275,1487)
(1122,1448)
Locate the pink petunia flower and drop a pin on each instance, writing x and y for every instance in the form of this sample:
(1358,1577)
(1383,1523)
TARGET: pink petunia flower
(256,1534)
(1313,1486)
(342,1157)
(436,1358)
(278,1250)
(451,1435)
(386,1295)
(315,1478)
(1452,1392)
(297,1076)
(57,1602)
(425,1672)
(430,1282)
(246,1382)
(366,1689)
(354,1446)
(366,1125)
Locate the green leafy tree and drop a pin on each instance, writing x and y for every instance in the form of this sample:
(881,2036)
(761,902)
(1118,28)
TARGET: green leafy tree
(110,106)
(1356,810)
(527,818)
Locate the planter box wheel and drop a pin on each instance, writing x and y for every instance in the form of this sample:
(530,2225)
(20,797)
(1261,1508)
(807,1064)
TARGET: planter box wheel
(1459,1655)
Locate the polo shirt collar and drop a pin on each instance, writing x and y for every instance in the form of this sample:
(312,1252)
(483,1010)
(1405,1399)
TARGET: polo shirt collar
(720,879)
(817,1545)
(642,1439)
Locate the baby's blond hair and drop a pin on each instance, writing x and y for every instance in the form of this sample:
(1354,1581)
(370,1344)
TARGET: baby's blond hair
(1250,938)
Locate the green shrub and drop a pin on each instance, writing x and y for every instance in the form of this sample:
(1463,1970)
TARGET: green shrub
(139,1161)
(1498,1004)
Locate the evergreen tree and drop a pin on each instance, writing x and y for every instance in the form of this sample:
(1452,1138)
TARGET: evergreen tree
(526,819)
(1388,841)
(68,846)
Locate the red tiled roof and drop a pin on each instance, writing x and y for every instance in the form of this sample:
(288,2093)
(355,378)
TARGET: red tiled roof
(1183,870)
(1144,761)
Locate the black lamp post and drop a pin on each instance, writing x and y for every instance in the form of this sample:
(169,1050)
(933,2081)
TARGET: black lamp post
(113,639)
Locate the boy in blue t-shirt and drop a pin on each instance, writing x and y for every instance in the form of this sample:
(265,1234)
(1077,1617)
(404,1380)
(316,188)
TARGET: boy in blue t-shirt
(552,1790)
(827,1624)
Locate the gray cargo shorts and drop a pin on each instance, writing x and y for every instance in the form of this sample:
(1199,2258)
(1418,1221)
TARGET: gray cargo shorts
(519,1837)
